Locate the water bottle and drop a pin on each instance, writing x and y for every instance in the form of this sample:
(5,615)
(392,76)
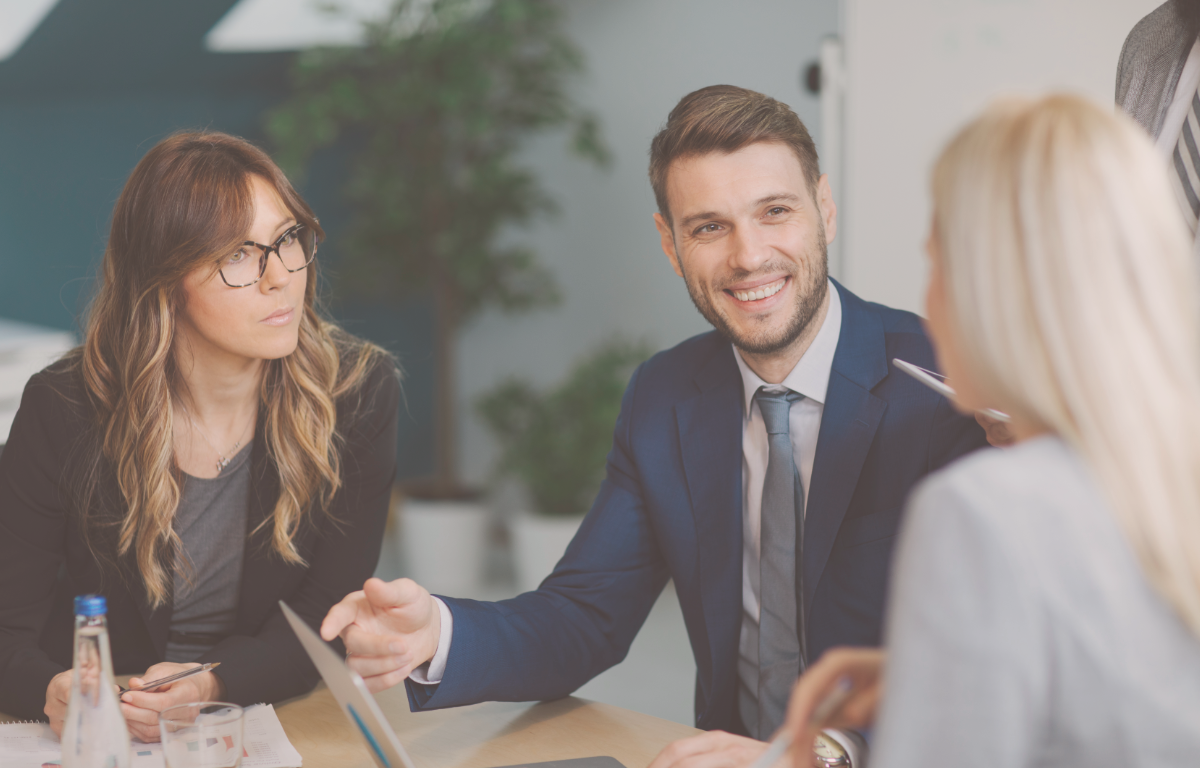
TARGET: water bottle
(94,735)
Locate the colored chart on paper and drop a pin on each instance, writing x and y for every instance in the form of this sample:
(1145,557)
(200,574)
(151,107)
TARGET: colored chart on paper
(264,745)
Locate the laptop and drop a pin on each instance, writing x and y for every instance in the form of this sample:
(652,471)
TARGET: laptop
(352,696)
(361,709)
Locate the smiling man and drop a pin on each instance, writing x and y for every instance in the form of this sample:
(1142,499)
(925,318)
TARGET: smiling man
(762,466)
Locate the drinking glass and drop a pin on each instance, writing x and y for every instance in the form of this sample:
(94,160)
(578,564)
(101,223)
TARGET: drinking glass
(206,734)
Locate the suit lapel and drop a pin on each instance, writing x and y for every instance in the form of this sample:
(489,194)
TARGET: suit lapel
(1150,68)
(710,437)
(848,424)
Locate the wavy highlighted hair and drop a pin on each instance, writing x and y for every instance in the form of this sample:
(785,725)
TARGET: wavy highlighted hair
(1073,300)
(187,202)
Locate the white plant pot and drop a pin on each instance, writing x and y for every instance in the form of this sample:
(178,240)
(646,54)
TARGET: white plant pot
(445,545)
(538,544)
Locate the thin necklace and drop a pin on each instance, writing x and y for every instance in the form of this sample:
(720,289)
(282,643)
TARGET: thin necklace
(223,461)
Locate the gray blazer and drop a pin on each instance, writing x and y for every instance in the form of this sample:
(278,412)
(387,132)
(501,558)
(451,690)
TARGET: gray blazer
(1022,630)
(1151,60)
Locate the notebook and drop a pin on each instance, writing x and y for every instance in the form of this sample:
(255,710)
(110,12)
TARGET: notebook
(265,745)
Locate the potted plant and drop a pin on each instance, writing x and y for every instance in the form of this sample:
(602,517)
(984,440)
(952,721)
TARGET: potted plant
(556,444)
(433,110)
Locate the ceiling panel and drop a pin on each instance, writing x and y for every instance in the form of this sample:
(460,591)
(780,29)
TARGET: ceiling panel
(288,25)
(18,19)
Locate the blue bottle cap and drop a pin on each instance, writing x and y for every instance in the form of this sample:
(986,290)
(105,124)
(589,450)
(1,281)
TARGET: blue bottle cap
(90,605)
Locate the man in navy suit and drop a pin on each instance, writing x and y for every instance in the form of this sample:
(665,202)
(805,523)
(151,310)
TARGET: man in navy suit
(744,217)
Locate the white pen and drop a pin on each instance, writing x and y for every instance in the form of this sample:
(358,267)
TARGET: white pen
(826,709)
(935,381)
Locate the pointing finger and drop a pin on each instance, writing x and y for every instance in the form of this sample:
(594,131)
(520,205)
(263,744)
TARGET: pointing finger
(392,594)
(341,615)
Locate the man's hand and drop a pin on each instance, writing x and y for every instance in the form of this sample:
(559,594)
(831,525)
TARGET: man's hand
(389,628)
(998,432)
(863,668)
(714,749)
(141,708)
(58,695)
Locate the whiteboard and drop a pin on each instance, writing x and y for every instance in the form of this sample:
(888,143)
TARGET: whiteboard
(915,71)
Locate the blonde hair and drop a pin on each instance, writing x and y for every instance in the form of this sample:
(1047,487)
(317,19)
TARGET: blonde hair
(1072,296)
(186,202)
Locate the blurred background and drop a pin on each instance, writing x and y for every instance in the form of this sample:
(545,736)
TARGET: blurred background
(517,300)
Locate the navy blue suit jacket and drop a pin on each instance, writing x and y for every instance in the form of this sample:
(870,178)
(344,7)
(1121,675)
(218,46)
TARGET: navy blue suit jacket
(671,507)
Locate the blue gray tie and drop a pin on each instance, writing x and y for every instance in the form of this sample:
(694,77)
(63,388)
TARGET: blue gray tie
(780,630)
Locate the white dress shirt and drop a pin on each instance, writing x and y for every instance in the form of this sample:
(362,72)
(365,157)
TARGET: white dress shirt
(430,673)
(810,378)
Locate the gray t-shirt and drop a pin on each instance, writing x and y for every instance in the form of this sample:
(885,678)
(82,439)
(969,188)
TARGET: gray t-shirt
(211,522)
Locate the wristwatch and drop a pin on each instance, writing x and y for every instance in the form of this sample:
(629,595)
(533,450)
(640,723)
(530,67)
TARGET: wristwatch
(841,748)
(829,753)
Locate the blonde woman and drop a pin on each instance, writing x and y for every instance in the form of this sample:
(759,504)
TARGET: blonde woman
(213,447)
(1045,606)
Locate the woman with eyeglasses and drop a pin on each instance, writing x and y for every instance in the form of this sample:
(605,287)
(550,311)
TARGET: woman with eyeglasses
(1045,603)
(213,447)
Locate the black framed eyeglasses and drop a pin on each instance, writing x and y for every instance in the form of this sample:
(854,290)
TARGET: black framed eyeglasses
(296,249)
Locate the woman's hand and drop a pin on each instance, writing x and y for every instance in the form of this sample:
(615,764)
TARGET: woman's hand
(58,695)
(862,668)
(999,433)
(141,708)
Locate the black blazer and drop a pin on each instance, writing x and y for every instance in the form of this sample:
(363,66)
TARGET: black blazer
(45,560)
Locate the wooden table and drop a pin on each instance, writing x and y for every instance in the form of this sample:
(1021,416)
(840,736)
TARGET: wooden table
(479,736)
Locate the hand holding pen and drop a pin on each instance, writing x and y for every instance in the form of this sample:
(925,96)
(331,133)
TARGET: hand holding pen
(150,686)
(840,691)
(995,423)
(163,686)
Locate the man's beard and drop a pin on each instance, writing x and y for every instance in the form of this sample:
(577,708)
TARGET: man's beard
(809,298)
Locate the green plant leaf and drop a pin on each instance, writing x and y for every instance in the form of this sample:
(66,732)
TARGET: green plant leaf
(437,104)
(557,442)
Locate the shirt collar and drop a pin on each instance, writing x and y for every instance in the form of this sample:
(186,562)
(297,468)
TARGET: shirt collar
(810,377)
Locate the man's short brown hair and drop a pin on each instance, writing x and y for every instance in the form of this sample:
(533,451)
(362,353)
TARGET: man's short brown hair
(725,118)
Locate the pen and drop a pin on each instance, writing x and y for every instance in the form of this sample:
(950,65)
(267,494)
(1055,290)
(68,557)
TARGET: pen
(825,710)
(937,382)
(172,678)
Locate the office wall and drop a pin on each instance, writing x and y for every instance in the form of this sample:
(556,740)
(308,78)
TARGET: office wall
(916,71)
(642,56)
(66,158)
